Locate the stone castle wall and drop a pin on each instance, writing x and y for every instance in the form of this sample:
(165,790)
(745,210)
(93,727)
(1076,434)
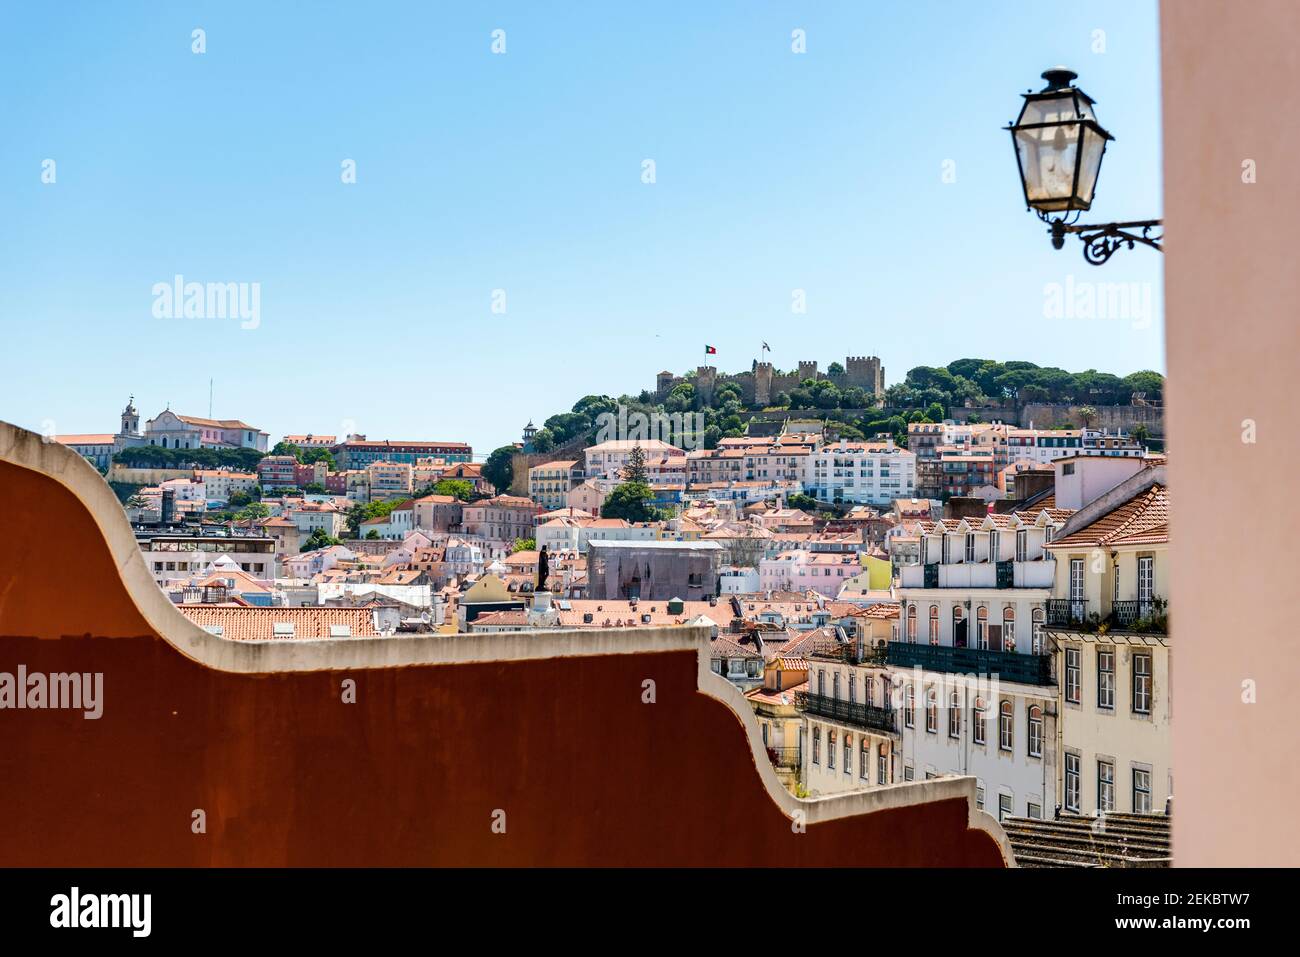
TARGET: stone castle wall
(761,385)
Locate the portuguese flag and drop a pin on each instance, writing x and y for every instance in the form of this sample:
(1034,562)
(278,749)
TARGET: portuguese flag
(710,351)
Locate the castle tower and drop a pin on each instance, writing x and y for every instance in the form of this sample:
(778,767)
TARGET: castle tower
(130,418)
(762,383)
(807,370)
(706,378)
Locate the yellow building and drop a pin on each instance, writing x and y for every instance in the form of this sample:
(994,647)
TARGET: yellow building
(1109,619)
(778,718)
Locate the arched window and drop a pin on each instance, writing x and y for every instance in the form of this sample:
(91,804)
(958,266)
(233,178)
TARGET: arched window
(911,624)
(1037,637)
(982,628)
(977,721)
(954,715)
(934,624)
(1005,736)
(1009,628)
(932,711)
(1035,732)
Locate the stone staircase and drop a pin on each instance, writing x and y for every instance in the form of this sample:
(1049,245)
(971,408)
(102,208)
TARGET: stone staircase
(1112,840)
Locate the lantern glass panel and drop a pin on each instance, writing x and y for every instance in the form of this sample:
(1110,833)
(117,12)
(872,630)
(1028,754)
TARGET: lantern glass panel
(1094,145)
(1047,161)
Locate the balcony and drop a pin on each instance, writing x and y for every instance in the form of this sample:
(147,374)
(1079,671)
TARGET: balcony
(1005,574)
(1066,613)
(1144,615)
(787,759)
(850,652)
(1014,666)
(859,715)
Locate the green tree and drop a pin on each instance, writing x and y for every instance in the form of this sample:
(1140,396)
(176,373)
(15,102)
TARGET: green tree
(1141,434)
(287,448)
(499,468)
(635,471)
(372,535)
(315,488)
(254,511)
(1087,415)
(835,369)
(319,538)
(458,489)
(543,440)
(523,545)
(631,502)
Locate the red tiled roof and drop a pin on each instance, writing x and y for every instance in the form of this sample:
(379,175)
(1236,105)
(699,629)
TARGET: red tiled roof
(258,623)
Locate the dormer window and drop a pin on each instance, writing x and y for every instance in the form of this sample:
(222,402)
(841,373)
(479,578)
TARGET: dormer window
(970,546)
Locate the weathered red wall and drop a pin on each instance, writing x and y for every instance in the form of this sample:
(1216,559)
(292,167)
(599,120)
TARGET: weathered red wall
(409,775)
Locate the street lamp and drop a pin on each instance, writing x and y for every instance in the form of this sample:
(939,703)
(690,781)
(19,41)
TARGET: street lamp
(1059,146)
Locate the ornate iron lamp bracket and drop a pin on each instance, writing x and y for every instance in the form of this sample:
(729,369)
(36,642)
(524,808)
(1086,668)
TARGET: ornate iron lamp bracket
(1103,240)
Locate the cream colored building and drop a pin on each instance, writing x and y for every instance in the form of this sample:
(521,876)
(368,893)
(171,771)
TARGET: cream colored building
(1109,618)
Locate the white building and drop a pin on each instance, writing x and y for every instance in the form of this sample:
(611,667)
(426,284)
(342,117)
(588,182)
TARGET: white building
(981,696)
(608,459)
(872,473)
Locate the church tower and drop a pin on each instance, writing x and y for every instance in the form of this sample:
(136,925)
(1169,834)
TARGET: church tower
(130,419)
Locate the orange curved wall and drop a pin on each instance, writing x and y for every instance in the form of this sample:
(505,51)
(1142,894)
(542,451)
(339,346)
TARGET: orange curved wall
(410,774)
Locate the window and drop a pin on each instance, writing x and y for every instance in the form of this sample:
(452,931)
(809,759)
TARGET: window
(970,547)
(817,746)
(911,624)
(1036,811)
(1072,783)
(1036,638)
(1022,545)
(945,551)
(821,682)
(995,546)
(1146,582)
(882,766)
(830,750)
(1076,588)
(1006,804)
(1141,684)
(1141,791)
(931,712)
(1035,732)
(979,796)
(864,760)
(835,684)
(1072,675)
(934,624)
(982,629)
(1009,628)
(1106,678)
(848,754)
(977,721)
(907,773)
(1105,785)
(909,707)
(853,690)
(1005,729)
(954,715)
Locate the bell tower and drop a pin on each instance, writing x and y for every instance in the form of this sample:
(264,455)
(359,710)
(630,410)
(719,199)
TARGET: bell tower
(130,419)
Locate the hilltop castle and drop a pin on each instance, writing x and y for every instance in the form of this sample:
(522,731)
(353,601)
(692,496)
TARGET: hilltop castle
(760,386)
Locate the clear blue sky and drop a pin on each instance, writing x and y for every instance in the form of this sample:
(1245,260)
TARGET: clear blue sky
(476,171)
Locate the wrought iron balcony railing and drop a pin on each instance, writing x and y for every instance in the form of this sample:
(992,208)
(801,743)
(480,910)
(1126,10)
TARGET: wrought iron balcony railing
(785,757)
(1019,667)
(1143,614)
(860,715)
(1066,612)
